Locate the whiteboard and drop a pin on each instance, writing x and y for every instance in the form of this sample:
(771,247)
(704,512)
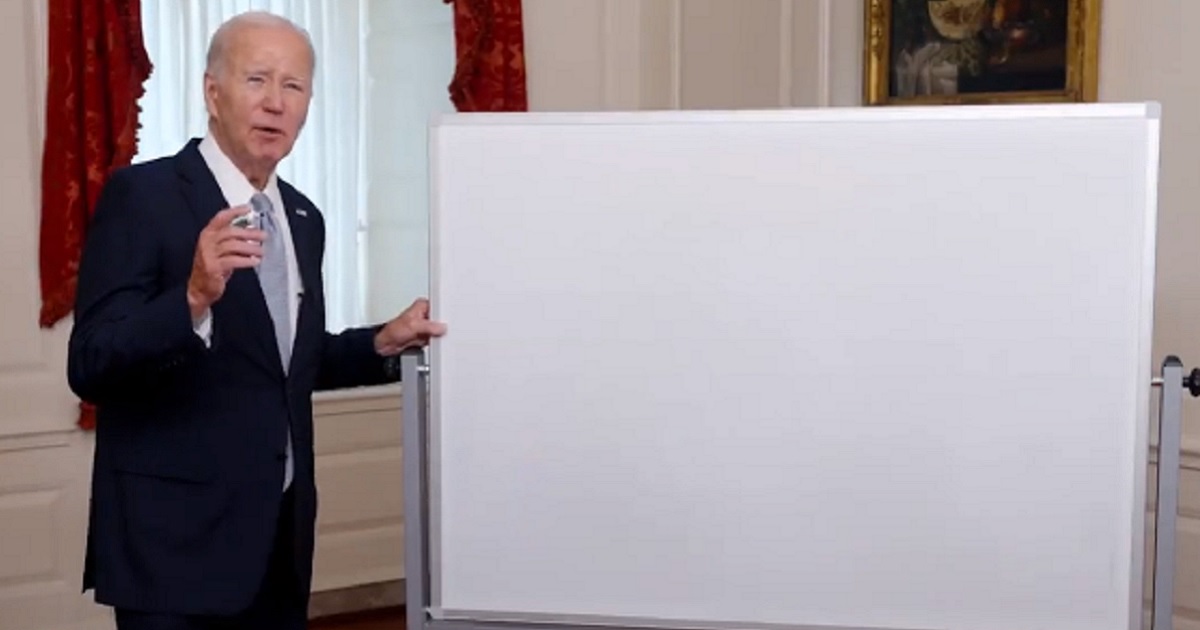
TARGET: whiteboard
(850,368)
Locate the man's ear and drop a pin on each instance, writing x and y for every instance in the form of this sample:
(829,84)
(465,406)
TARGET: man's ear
(210,93)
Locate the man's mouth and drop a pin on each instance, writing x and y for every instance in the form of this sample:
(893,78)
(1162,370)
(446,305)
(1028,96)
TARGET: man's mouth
(270,131)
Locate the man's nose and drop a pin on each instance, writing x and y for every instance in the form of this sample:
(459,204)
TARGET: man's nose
(274,99)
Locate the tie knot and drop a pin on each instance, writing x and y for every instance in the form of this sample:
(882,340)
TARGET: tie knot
(261,204)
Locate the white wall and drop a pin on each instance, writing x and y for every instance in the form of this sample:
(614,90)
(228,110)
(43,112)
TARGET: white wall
(693,54)
(1145,45)
(44,462)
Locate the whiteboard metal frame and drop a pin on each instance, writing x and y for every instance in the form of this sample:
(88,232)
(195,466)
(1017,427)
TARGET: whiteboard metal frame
(421,540)
(418,575)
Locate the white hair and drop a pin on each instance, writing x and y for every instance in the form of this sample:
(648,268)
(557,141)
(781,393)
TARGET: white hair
(218,46)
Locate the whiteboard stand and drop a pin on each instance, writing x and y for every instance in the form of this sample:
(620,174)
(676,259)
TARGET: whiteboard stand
(414,379)
(1170,429)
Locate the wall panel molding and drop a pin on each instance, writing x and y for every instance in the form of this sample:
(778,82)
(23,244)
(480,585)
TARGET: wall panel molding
(360,478)
(843,64)
(676,54)
(824,53)
(787,50)
(44,483)
(623,55)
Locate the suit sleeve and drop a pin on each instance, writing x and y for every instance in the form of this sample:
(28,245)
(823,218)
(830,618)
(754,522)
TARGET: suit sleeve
(130,332)
(349,360)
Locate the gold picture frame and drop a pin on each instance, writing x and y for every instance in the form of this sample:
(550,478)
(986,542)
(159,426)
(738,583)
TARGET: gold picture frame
(980,51)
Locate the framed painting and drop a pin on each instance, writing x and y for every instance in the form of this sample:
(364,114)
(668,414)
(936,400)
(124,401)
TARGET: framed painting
(981,51)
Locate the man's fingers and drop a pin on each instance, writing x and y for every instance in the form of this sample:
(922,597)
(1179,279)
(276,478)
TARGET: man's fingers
(238,235)
(225,217)
(238,247)
(419,307)
(229,233)
(220,250)
(228,264)
(426,327)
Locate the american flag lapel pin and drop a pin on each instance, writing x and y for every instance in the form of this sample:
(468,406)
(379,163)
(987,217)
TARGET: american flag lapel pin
(301,212)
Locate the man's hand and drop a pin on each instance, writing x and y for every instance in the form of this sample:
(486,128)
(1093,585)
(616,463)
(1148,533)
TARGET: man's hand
(220,250)
(410,329)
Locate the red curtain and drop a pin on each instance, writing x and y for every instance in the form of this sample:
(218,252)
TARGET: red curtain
(97,70)
(490,73)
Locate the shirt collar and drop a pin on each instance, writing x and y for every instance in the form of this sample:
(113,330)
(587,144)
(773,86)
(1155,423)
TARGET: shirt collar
(233,183)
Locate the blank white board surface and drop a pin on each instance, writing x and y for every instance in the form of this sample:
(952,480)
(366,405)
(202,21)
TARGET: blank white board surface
(855,368)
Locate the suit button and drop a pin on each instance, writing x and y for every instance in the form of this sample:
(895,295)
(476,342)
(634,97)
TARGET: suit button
(281,456)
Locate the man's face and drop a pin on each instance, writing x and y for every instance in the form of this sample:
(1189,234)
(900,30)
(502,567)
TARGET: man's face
(259,97)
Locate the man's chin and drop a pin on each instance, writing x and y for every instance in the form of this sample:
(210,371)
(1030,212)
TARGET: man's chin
(270,159)
(272,147)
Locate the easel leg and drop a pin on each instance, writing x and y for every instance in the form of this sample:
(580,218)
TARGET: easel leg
(1169,437)
(415,436)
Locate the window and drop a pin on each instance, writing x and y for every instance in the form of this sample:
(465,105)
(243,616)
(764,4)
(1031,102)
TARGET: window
(383,67)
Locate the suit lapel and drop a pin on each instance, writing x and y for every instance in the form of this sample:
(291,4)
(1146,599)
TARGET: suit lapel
(303,234)
(306,245)
(200,188)
(243,304)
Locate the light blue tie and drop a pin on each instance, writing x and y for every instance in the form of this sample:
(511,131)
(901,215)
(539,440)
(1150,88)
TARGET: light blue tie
(273,276)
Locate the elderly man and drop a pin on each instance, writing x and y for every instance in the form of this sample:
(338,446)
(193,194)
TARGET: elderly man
(201,339)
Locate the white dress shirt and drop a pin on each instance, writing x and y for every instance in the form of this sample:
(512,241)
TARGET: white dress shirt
(237,191)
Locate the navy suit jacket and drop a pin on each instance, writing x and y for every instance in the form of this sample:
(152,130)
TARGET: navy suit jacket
(190,439)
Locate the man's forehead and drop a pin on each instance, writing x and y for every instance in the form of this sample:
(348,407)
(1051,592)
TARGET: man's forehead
(258,37)
(264,44)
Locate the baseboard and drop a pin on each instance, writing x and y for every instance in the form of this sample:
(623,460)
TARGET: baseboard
(356,599)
